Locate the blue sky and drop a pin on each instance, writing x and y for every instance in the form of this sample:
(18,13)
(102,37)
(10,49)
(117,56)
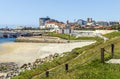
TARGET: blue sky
(27,12)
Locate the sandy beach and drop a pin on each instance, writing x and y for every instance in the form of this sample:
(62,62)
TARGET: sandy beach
(21,53)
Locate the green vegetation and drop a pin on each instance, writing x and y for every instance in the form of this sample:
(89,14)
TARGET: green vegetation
(112,35)
(63,36)
(84,63)
(67,37)
(116,27)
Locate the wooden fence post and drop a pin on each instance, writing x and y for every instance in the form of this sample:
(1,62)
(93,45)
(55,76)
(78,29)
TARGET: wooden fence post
(66,67)
(47,73)
(112,50)
(102,55)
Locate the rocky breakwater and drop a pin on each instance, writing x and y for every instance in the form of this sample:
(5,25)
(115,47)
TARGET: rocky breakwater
(10,69)
(41,39)
(33,65)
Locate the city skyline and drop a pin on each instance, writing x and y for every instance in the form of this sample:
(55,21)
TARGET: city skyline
(25,12)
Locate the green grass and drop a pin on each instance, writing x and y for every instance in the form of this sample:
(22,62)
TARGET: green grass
(92,69)
(67,37)
(43,67)
(112,35)
(63,36)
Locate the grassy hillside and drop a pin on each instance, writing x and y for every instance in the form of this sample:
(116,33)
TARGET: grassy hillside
(68,37)
(113,35)
(84,63)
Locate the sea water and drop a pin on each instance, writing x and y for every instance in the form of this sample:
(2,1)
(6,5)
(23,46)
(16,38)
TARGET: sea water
(5,40)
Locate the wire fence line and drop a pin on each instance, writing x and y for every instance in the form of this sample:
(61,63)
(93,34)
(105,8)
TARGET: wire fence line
(89,59)
(83,63)
(107,49)
(63,69)
(63,65)
(108,52)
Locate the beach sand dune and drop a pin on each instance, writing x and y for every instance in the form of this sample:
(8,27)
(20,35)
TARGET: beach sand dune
(21,53)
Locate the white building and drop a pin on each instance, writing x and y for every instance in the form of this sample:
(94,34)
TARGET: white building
(52,26)
(19,27)
(42,27)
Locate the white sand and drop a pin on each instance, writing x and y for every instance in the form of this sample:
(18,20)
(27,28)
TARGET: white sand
(27,52)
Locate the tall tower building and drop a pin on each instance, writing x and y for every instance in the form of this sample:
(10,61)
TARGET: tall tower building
(42,21)
(89,20)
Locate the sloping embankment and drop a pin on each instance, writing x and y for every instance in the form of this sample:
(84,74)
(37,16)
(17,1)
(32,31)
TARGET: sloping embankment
(43,39)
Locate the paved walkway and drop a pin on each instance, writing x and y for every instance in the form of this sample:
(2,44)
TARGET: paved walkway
(115,61)
(103,37)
